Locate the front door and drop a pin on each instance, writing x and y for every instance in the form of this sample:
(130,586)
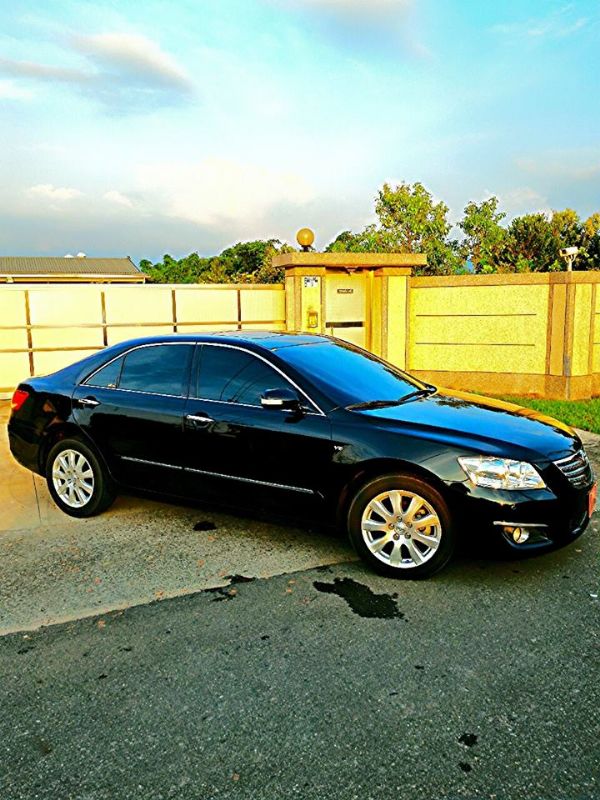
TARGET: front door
(231,438)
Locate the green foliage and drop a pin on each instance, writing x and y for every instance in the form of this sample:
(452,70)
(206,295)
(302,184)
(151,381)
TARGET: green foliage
(408,222)
(170,270)
(590,242)
(531,245)
(245,262)
(484,235)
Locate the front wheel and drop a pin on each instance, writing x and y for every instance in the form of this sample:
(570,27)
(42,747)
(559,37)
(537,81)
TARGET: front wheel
(401,526)
(78,480)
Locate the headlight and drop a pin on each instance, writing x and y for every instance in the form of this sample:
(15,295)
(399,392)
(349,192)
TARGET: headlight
(501,473)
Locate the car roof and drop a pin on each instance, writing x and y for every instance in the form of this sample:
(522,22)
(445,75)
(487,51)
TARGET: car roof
(268,340)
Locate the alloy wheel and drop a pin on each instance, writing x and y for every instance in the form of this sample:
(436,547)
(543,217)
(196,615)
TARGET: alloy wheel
(73,478)
(401,529)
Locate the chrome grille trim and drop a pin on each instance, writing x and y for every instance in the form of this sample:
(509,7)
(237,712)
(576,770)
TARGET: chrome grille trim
(576,468)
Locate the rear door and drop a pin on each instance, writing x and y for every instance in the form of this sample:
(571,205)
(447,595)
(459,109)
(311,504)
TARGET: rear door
(229,436)
(133,410)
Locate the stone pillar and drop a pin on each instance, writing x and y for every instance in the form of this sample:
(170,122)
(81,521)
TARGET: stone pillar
(573,343)
(390,314)
(361,297)
(304,298)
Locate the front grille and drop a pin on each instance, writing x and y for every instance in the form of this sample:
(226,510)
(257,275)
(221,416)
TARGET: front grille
(577,469)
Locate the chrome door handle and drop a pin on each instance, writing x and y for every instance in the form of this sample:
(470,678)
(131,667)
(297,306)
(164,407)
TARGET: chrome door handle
(88,401)
(198,418)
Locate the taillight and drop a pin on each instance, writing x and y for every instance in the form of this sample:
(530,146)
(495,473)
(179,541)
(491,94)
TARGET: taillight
(18,399)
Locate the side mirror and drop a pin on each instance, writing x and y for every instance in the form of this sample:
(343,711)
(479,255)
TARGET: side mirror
(283,399)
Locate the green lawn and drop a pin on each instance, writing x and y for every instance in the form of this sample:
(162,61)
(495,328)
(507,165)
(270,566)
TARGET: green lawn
(577,413)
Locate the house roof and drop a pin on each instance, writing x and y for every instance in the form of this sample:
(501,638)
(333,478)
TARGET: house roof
(38,266)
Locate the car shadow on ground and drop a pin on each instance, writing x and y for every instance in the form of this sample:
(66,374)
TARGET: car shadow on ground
(472,549)
(289,513)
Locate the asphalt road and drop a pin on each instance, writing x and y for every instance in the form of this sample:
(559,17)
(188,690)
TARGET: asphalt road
(329,683)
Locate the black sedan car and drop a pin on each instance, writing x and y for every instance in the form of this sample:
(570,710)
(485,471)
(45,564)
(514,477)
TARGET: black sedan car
(405,467)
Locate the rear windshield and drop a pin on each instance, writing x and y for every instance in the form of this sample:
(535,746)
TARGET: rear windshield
(348,374)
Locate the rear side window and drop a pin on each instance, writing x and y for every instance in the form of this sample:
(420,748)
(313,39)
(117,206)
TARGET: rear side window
(108,376)
(233,376)
(160,369)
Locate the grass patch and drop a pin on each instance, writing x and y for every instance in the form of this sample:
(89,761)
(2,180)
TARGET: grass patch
(583,414)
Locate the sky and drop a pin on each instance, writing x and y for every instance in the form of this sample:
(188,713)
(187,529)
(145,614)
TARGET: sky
(144,127)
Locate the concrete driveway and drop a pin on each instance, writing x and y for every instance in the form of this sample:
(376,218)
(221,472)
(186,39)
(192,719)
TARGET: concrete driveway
(54,568)
(332,683)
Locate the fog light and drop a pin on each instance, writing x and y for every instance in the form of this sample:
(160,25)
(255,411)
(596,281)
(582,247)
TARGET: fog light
(518,535)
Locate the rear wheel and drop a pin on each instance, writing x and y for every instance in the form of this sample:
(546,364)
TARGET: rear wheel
(78,480)
(401,526)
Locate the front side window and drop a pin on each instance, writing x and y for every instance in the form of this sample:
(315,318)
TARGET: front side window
(234,376)
(160,369)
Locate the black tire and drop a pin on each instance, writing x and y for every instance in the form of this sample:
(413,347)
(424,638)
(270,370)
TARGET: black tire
(433,561)
(103,491)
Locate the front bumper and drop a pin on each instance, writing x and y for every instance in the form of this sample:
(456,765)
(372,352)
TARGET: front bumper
(557,517)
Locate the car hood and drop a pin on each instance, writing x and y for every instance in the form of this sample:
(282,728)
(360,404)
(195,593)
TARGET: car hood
(455,416)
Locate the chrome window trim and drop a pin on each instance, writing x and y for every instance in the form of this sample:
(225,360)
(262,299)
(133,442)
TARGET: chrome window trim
(139,391)
(270,484)
(125,353)
(249,405)
(319,411)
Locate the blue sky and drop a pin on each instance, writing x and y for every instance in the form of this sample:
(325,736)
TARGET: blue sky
(142,127)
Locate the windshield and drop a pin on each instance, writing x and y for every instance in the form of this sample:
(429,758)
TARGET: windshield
(347,374)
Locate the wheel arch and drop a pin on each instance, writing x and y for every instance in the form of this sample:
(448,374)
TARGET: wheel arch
(375,468)
(67,430)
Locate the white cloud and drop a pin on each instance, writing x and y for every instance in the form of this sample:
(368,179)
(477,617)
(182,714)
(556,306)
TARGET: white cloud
(359,5)
(366,9)
(556,25)
(217,191)
(362,25)
(119,199)
(9,90)
(135,55)
(523,200)
(565,165)
(43,72)
(126,72)
(46,191)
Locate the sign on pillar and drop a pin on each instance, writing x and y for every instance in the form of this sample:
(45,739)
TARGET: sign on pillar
(311,303)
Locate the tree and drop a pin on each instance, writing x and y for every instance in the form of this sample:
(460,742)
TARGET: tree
(252,262)
(566,228)
(530,245)
(408,222)
(343,243)
(589,258)
(170,270)
(484,235)
(244,262)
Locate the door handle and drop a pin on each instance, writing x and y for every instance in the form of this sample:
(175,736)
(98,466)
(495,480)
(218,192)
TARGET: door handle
(88,401)
(199,418)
